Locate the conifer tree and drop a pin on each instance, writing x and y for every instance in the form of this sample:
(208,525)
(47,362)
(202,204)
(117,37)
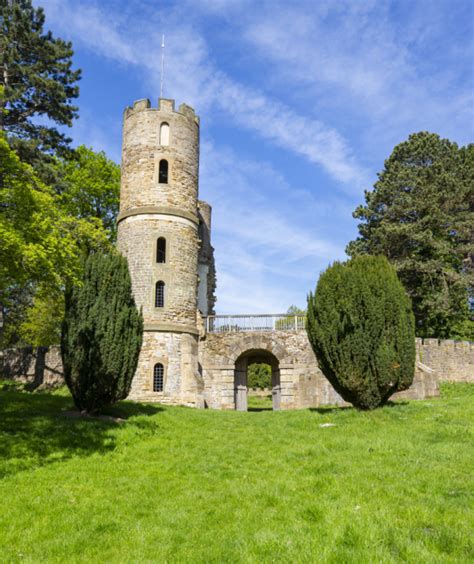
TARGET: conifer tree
(420,216)
(38,80)
(361,327)
(101,334)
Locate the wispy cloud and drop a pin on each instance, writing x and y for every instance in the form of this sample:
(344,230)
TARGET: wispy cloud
(356,57)
(267,258)
(194,77)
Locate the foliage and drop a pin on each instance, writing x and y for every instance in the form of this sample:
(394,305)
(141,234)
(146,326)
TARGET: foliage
(42,246)
(259,375)
(91,187)
(360,325)
(390,485)
(41,323)
(101,334)
(38,81)
(37,240)
(420,216)
(288,323)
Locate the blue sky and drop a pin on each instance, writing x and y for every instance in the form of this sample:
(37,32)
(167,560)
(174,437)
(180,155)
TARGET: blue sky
(300,103)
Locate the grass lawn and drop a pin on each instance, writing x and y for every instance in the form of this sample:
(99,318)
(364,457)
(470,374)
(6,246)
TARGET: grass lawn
(177,484)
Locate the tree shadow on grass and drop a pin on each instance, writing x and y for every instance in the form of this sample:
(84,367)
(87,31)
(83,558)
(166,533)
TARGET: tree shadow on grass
(128,409)
(326,410)
(35,432)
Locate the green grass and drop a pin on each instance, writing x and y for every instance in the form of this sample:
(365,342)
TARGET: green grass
(183,485)
(256,403)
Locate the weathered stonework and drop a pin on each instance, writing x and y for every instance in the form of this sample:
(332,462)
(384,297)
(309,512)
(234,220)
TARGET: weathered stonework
(177,352)
(207,271)
(153,207)
(302,383)
(214,385)
(36,367)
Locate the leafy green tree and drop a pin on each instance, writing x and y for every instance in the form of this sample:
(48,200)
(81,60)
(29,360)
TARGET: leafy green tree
(40,321)
(361,327)
(38,81)
(91,187)
(101,334)
(41,246)
(289,322)
(37,240)
(420,216)
(259,375)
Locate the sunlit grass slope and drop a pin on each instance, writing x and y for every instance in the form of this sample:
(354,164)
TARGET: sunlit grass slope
(177,484)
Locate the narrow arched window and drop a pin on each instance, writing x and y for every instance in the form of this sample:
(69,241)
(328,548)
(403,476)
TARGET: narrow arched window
(158,377)
(163,172)
(164,134)
(161,249)
(160,294)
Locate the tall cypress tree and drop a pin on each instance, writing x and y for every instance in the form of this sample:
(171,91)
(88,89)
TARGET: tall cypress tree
(101,334)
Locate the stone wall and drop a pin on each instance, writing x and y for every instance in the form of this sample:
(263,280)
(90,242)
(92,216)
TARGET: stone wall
(142,152)
(452,360)
(40,367)
(207,265)
(302,383)
(138,237)
(177,352)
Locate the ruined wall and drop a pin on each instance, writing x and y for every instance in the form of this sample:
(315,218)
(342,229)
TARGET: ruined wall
(452,360)
(207,267)
(303,385)
(39,367)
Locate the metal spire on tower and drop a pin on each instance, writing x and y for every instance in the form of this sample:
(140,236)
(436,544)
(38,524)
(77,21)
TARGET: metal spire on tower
(162,64)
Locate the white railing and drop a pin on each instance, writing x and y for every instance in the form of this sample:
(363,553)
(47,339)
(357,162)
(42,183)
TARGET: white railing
(263,322)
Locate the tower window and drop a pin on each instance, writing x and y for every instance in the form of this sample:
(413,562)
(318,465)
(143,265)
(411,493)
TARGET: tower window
(160,294)
(161,250)
(163,172)
(164,134)
(158,377)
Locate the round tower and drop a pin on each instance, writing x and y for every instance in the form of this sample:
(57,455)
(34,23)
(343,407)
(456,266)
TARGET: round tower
(158,233)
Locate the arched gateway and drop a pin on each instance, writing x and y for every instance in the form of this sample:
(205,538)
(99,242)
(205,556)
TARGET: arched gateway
(224,356)
(241,377)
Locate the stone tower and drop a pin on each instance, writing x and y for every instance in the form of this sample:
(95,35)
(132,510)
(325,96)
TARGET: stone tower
(159,229)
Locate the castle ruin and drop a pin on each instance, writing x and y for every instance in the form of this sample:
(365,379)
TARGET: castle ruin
(190,356)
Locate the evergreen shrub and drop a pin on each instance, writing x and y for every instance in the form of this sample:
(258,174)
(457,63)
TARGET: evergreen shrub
(361,327)
(101,334)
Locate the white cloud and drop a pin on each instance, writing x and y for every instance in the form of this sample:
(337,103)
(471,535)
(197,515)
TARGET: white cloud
(356,57)
(267,259)
(191,75)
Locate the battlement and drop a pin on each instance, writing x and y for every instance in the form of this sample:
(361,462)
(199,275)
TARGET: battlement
(445,343)
(164,105)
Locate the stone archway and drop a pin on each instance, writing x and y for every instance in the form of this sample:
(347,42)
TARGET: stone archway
(240,377)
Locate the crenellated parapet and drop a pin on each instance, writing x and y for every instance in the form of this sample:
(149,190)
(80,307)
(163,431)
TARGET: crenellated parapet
(164,105)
